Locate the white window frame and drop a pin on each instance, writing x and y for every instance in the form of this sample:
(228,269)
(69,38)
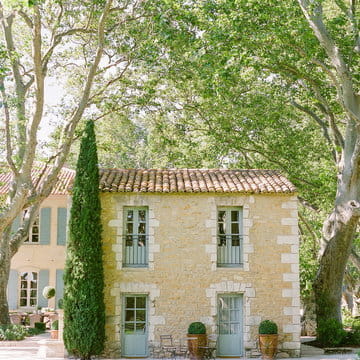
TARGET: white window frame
(229,255)
(136,238)
(32,234)
(28,289)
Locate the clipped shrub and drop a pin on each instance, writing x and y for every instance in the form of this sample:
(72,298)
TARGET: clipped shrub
(12,332)
(268,327)
(40,325)
(48,292)
(197,328)
(55,325)
(330,332)
(34,331)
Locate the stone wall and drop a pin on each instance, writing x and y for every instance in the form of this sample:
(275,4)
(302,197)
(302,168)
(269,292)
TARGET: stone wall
(183,281)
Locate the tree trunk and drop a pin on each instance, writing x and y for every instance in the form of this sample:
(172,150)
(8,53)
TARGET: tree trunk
(338,232)
(4,277)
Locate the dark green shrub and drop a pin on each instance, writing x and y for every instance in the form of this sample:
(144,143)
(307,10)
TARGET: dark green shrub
(330,332)
(34,331)
(55,325)
(197,328)
(268,327)
(84,309)
(60,303)
(12,332)
(40,326)
(48,292)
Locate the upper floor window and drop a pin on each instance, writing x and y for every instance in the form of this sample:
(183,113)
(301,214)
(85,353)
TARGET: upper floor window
(229,237)
(28,289)
(34,233)
(135,237)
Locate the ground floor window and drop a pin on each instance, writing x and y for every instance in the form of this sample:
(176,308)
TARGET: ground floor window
(28,289)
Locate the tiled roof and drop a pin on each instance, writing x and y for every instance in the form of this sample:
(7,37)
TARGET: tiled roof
(65,179)
(194,181)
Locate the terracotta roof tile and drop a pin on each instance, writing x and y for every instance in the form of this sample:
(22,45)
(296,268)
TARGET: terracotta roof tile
(194,180)
(65,179)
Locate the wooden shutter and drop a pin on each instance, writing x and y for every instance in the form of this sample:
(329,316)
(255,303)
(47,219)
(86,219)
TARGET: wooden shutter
(43,281)
(13,290)
(45,226)
(61,226)
(59,287)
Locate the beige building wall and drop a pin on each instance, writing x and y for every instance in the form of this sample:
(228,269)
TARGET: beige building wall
(36,257)
(183,281)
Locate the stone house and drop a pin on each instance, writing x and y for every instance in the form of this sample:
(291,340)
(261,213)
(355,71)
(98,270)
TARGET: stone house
(40,260)
(216,246)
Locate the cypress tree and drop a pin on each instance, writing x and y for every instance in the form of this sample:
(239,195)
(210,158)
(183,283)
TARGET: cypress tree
(84,310)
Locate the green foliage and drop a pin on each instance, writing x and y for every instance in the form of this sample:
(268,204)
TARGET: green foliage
(330,332)
(268,327)
(34,331)
(84,310)
(40,325)
(55,325)
(197,328)
(48,292)
(61,303)
(12,332)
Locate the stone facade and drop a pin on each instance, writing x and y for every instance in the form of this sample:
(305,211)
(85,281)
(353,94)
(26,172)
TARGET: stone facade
(182,280)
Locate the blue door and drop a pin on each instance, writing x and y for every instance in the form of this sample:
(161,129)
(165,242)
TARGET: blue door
(230,324)
(134,325)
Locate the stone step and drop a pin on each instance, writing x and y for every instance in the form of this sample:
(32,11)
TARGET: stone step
(307,350)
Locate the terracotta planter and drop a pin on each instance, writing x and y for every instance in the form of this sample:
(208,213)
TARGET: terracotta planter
(268,345)
(194,341)
(54,334)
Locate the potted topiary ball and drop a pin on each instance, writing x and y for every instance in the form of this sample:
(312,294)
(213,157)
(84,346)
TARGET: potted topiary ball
(196,339)
(48,292)
(268,339)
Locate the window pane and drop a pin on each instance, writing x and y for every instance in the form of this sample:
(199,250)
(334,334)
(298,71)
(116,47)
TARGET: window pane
(35,238)
(130,302)
(221,228)
(129,315)
(24,276)
(33,285)
(222,240)
(32,302)
(234,228)
(224,328)
(34,275)
(234,328)
(33,293)
(235,240)
(23,293)
(235,215)
(221,216)
(129,328)
(140,328)
(130,215)
(129,228)
(22,302)
(140,315)
(141,302)
(235,315)
(141,240)
(129,240)
(142,215)
(35,230)
(142,228)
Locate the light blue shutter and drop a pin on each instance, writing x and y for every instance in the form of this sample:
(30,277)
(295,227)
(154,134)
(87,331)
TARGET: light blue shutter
(15,225)
(61,226)
(45,223)
(59,286)
(43,281)
(13,289)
